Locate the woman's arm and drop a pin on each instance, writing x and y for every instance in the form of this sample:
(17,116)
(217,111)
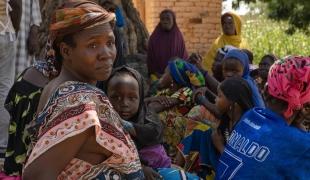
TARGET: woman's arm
(50,164)
(212,83)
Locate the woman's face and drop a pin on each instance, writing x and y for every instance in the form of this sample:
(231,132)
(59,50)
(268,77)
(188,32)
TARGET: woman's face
(228,25)
(123,92)
(232,68)
(166,21)
(93,55)
(221,102)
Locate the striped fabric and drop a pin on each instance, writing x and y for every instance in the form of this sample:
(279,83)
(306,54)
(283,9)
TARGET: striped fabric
(31,15)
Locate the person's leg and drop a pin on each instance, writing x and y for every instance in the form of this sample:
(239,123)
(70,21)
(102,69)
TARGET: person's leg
(7,73)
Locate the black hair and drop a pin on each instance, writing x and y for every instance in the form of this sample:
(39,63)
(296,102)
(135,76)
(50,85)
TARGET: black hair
(125,70)
(237,90)
(273,100)
(69,40)
(249,54)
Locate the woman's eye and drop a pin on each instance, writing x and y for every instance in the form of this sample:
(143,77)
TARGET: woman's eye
(110,43)
(92,45)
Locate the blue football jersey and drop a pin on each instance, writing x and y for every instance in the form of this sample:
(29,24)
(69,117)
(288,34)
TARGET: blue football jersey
(263,146)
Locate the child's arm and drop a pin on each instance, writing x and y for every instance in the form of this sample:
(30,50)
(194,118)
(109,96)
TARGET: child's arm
(149,132)
(162,103)
(211,107)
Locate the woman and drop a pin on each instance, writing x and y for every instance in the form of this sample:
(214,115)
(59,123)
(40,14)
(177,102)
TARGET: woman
(75,119)
(174,101)
(231,27)
(165,43)
(22,102)
(233,100)
(264,141)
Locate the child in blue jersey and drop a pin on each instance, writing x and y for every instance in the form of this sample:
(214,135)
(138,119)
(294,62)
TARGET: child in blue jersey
(265,144)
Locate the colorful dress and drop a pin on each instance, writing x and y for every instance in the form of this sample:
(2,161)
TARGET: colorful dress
(174,120)
(73,108)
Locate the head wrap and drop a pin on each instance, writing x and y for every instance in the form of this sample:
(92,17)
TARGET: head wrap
(289,80)
(186,74)
(74,16)
(164,45)
(224,50)
(243,58)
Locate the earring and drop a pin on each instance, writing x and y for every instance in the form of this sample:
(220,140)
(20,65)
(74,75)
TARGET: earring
(171,85)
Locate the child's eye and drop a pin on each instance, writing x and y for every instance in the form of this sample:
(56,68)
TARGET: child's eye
(132,98)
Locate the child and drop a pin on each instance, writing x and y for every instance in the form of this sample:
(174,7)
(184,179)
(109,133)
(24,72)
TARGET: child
(233,100)
(264,142)
(126,93)
(236,63)
(260,75)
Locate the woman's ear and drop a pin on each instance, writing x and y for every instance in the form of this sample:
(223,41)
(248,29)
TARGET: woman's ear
(65,51)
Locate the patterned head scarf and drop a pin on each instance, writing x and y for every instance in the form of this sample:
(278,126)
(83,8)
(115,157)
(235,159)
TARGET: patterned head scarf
(74,16)
(186,74)
(289,80)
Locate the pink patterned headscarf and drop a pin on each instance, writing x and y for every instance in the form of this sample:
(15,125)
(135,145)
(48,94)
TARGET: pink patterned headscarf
(289,80)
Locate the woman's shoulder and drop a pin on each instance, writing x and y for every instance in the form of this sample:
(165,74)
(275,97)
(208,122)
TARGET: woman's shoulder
(72,87)
(73,94)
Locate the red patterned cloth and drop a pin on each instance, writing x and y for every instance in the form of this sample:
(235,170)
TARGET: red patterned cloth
(289,80)
(74,108)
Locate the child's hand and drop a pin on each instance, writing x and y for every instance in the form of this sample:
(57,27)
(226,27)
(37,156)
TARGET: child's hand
(128,127)
(150,174)
(196,59)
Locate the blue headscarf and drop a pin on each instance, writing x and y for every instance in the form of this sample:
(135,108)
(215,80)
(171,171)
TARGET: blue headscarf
(186,74)
(243,58)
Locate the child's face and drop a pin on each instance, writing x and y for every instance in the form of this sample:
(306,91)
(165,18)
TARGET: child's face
(123,92)
(221,102)
(266,63)
(232,68)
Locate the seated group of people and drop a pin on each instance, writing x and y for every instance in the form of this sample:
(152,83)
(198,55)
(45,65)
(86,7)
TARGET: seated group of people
(190,125)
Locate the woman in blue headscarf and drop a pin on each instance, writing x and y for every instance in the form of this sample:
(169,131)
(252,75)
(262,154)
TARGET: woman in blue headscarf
(174,100)
(236,63)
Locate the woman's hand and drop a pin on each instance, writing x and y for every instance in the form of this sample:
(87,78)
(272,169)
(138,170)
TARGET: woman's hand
(218,140)
(150,174)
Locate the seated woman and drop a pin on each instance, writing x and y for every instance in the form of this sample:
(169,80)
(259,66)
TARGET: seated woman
(125,90)
(231,35)
(78,135)
(174,101)
(233,100)
(22,102)
(165,43)
(264,142)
